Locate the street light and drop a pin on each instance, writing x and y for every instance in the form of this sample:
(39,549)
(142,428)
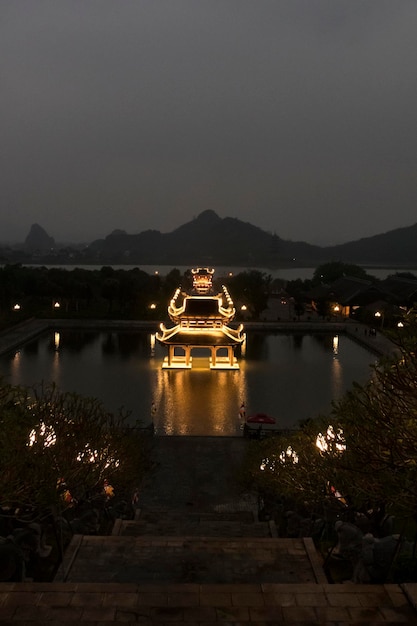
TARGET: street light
(380,316)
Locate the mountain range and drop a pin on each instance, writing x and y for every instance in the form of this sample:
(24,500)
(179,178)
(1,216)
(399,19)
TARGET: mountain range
(211,240)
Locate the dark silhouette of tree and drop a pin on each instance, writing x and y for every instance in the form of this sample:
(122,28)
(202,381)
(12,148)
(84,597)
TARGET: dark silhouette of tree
(251,288)
(329,272)
(49,437)
(367,446)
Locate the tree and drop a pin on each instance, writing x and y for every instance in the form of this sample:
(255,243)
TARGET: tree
(50,438)
(365,449)
(329,272)
(252,289)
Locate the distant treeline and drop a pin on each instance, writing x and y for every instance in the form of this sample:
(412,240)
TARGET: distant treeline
(27,291)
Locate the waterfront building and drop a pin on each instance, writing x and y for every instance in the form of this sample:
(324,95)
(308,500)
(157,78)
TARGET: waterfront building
(201,319)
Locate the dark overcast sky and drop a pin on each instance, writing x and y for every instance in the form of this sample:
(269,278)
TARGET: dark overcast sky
(298,116)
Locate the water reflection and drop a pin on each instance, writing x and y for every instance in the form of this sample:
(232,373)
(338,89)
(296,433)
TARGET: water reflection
(195,402)
(291,377)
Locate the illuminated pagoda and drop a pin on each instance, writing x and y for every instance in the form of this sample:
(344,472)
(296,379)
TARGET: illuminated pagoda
(201,320)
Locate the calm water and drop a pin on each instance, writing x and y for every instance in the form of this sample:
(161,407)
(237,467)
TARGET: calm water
(290,376)
(289,273)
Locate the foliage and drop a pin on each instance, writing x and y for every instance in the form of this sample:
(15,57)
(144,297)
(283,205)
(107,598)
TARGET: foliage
(51,439)
(80,292)
(251,288)
(329,272)
(368,447)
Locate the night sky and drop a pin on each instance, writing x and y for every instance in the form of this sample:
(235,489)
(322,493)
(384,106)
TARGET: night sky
(298,116)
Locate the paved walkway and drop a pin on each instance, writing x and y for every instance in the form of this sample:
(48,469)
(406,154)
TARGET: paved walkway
(69,604)
(196,473)
(196,588)
(15,336)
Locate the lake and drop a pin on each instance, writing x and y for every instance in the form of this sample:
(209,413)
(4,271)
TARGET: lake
(289,376)
(289,273)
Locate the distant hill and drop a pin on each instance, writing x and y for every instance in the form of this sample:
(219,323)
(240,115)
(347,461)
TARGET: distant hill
(38,240)
(229,241)
(211,240)
(397,246)
(206,239)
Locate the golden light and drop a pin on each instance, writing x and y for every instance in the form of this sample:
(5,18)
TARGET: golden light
(156,272)
(90,455)
(16,307)
(87,455)
(204,315)
(336,344)
(57,305)
(336,308)
(400,325)
(378,314)
(330,440)
(57,339)
(266,464)
(243,307)
(152,340)
(152,306)
(289,455)
(42,432)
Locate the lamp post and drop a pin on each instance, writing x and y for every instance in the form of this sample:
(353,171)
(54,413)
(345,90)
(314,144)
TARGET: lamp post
(380,316)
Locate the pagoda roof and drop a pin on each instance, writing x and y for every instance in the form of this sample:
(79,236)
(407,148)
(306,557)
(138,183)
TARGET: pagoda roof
(200,337)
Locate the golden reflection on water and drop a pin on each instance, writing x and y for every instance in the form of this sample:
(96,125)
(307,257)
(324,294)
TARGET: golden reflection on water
(16,363)
(291,377)
(217,409)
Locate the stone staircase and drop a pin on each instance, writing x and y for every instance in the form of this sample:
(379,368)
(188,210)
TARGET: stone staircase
(228,569)
(197,554)
(191,547)
(194,523)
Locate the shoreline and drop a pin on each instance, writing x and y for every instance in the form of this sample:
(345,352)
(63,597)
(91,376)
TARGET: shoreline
(25,331)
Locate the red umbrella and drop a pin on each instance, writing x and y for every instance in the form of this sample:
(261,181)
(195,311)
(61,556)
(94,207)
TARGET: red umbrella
(261,418)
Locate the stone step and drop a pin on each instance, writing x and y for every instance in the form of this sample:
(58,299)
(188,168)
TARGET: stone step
(152,515)
(199,560)
(149,605)
(193,523)
(193,527)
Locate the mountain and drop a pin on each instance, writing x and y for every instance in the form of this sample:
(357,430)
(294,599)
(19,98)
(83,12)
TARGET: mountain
(38,240)
(211,240)
(396,247)
(206,239)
